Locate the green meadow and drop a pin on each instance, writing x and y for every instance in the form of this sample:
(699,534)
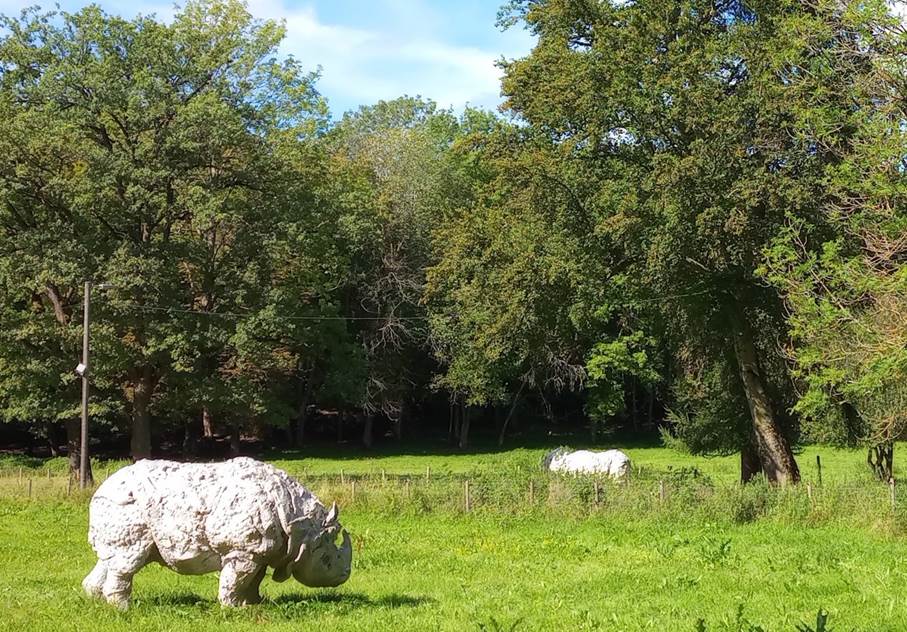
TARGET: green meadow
(677,548)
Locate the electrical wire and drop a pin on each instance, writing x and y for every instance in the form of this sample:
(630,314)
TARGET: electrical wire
(195,312)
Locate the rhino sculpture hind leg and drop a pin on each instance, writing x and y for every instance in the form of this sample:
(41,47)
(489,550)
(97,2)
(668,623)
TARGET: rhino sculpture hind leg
(237,517)
(113,586)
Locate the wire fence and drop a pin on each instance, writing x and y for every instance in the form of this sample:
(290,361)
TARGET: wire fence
(682,495)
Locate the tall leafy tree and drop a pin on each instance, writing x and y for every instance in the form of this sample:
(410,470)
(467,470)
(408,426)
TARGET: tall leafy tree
(409,181)
(687,116)
(525,295)
(844,279)
(143,154)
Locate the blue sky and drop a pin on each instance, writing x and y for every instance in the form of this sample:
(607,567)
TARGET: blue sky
(379,49)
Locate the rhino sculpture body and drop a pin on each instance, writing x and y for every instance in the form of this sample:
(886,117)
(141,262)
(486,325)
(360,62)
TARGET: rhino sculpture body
(238,517)
(613,463)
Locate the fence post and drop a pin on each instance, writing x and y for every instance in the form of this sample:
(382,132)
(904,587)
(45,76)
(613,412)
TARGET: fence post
(352,491)
(48,473)
(428,474)
(468,500)
(383,476)
(20,474)
(661,491)
(342,479)
(893,495)
(819,466)
(809,492)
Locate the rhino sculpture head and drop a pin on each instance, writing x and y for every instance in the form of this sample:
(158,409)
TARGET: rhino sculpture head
(313,557)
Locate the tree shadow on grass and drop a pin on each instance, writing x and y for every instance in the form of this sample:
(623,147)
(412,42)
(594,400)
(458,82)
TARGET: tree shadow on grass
(177,599)
(293,604)
(480,445)
(350,600)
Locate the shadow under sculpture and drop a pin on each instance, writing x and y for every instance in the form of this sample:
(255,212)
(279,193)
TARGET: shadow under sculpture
(238,517)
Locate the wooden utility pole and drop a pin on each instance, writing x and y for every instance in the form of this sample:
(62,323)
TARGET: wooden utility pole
(83,453)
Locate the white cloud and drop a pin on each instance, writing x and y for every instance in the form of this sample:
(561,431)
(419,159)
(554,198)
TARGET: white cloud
(899,7)
(362,66)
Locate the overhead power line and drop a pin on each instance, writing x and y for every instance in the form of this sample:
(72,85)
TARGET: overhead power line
(198,312)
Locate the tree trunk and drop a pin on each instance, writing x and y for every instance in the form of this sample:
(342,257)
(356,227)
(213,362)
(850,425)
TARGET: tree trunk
(633,405)
(258,430)
(516,400)
(74,449)
(50,430)
(207,423)
(750,464)
(302,414)
(464,428)
(140,441)
(398,423)
(651,406)
(775,454)
(235,439)
(881,460)
(367,431)
(299,435)
(453,428)
(190,439)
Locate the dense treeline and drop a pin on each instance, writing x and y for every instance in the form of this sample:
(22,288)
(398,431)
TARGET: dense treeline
(687,212)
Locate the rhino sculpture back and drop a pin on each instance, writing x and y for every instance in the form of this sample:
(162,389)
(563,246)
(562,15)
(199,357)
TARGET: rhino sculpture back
(238,517)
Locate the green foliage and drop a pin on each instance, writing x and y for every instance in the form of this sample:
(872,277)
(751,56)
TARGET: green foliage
(661,154)
(607,366)
(406,182)
(710,410)
(843,278)
(146,155)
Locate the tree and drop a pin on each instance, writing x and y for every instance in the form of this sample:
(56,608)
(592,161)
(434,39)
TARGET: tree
(143,154)
(407,182)
(526,291)
(686,115)
(844,279)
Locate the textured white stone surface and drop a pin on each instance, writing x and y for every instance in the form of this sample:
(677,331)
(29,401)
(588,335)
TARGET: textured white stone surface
(238,517)
(613,463)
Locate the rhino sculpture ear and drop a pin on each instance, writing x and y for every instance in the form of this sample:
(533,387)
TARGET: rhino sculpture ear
(333,515)
(296,548)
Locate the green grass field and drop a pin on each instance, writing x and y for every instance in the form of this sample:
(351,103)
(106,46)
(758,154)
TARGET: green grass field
(709,556)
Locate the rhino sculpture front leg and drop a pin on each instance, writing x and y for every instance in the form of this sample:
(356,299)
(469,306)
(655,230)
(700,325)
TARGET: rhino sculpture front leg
(118,588)
(240,580)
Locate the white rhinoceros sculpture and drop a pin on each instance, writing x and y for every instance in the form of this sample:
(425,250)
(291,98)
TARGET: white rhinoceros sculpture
(238,517)
(613,463)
